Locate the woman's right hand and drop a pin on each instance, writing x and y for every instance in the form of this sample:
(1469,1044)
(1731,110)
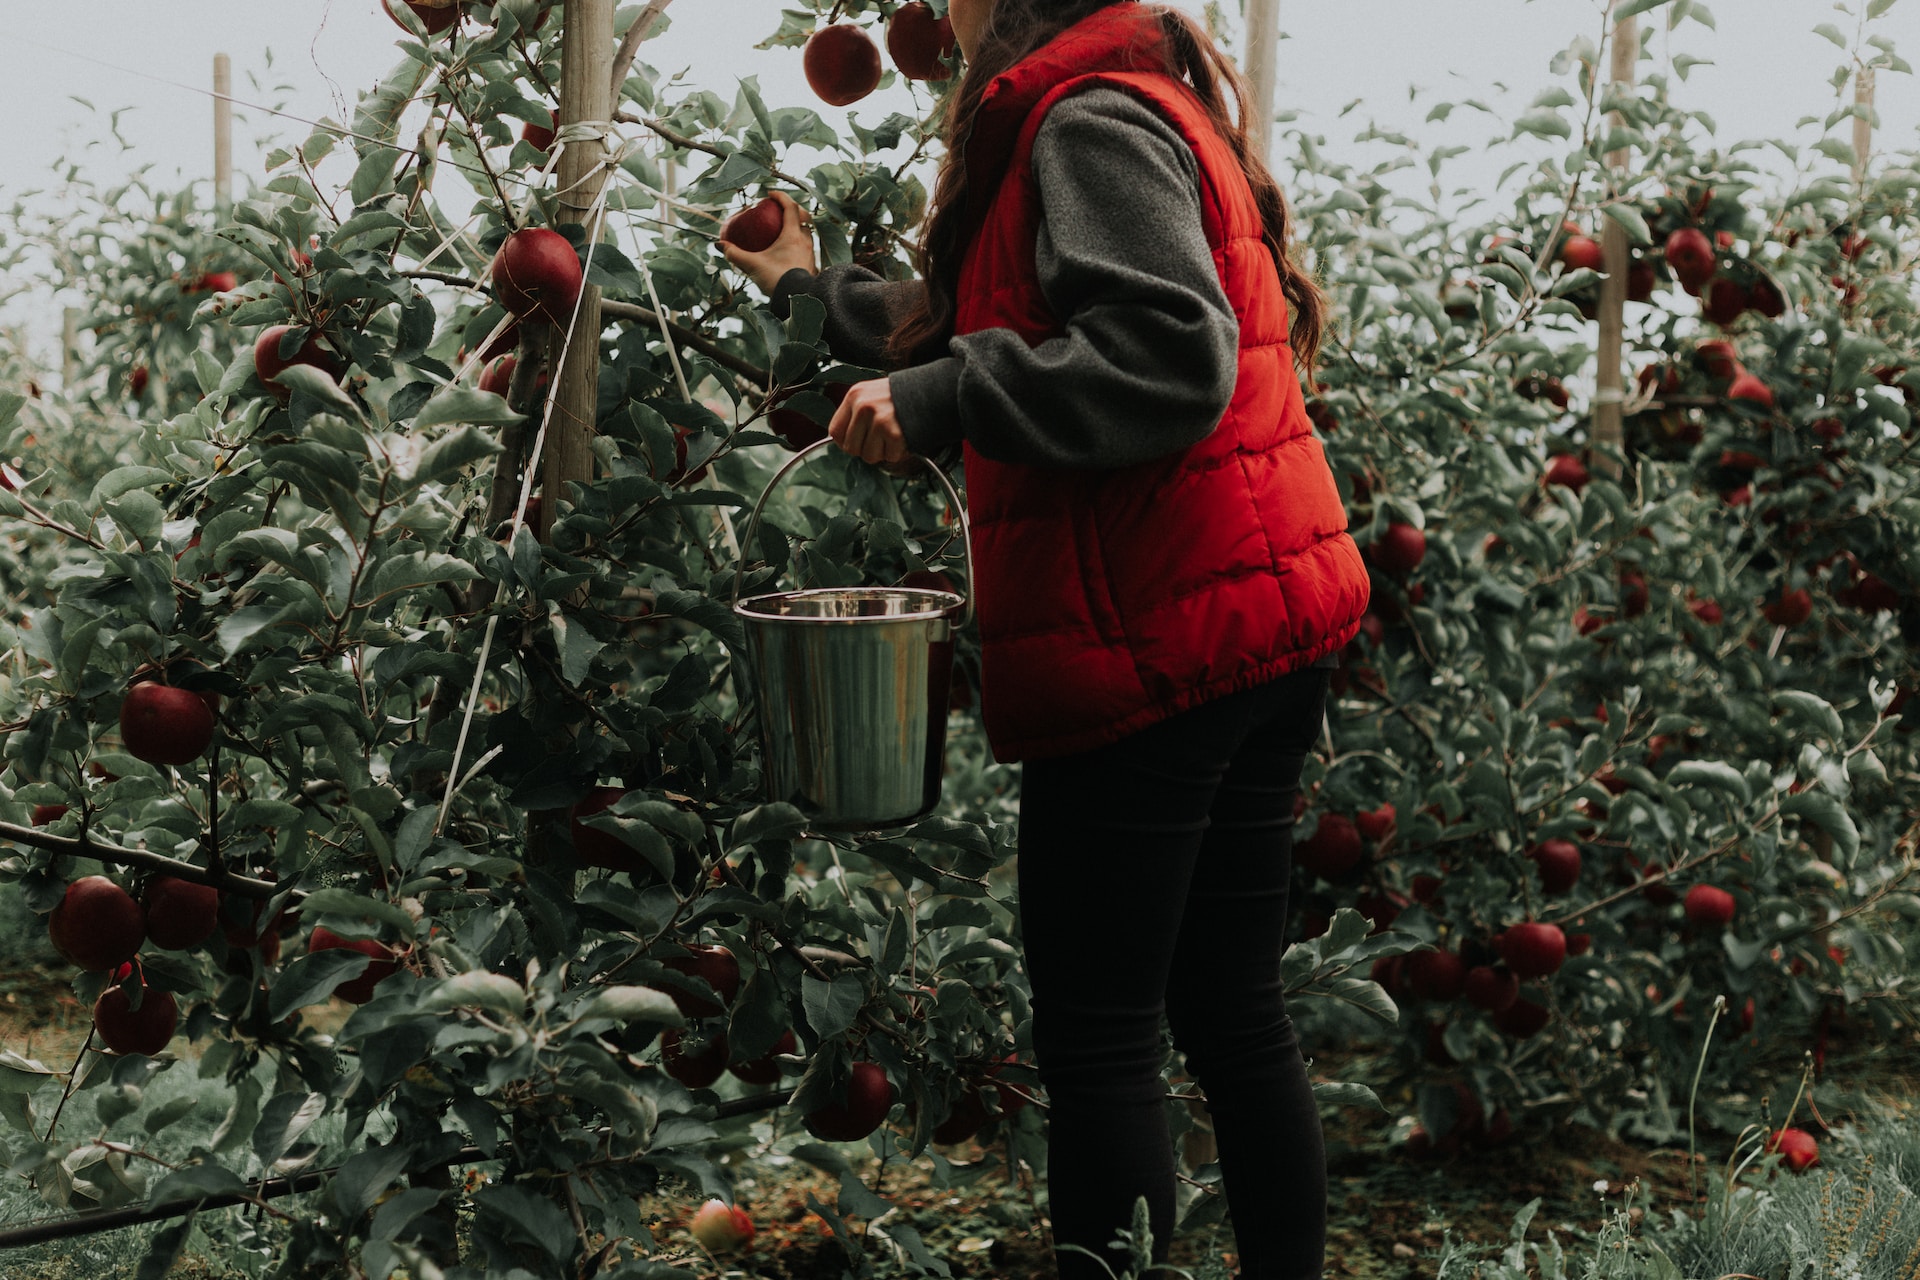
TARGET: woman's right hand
(792,248)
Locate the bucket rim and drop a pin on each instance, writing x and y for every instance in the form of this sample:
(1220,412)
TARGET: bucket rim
(950,602)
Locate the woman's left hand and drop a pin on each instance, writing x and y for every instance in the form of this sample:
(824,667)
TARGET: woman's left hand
(864,425)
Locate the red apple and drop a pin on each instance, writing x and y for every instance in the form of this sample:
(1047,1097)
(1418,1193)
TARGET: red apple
(1559,864)
(764,1069)
(137,380)
(1641,280)
(1582,253)
(162,724)
(1567,471)
(180,914)
(45,815)
(698,1065)
(211,282)
(1720,358)
(1766,298)
(721,1227)
(437,15)
(842,64)
(1533,950)
(1709,907)
(540,136)
(601,848)
(97,924)
(356,990)
(537,273)
(1523,1018)
(1797,1148)
(1749,388)
(1436,975)
(967,1117)
(1400,549)
(1708,611)
(498,375)
(1332,850)
(1724,301)
(869,1098)
(916,41)
(1794,606)
(1375,823)
(269,363)
(713,965)
(1690,256)
(1491,987)
(124,1029)
(755,227)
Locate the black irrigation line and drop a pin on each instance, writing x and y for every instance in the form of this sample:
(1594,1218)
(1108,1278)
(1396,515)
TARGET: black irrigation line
(95,1221)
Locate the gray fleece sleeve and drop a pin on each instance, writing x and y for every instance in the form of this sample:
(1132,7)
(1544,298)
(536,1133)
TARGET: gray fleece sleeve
(1150,354)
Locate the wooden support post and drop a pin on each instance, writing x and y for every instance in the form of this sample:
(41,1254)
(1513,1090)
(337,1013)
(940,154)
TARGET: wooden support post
(69,347)
(222,131)
(1862,123)
(1263,53)
(1608,427)
(586,69)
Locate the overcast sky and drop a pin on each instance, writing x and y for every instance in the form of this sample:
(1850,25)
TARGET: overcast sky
(153,63)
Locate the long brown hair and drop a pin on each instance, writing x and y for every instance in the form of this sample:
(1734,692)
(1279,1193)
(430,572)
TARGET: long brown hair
(1016,29)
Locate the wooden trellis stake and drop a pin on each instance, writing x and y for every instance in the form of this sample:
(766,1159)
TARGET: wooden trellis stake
(1608,428)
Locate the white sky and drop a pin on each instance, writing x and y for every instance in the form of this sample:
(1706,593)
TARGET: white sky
(1767,71)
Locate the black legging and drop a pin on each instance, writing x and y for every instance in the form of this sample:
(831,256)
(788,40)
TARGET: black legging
(1153,878)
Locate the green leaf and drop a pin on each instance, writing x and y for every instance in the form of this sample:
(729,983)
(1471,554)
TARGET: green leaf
(444,460)
(1809,708)
(465,405)
(1629,217)
(1543,124)
(316,384)
(282,1121)
(1346,1093)
(125,480)
(831,1007)
(532,1217)
(310,979)
(776,821)
(631,1004)
(1832,33)
(1714,774)
(1826,812)
(1633,7)
(477,988)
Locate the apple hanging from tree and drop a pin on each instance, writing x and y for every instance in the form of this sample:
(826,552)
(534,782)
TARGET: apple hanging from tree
(917,41)
(540,136)
(436,15)
(125,1029)
(1559,864)
(1793,607)
(1332,850)
(45,815)
(381,964)
(1582,253)
(270,360)
(1567,471)
(163,724)
(1749,389)
(1436,975)
(1533,950)
(97,925)
(537,274)
(1523,1019)
(1490,987)
(180,914)
(869,1098)
(842,64)
(695,1063)
(1709,907)
(766,1068)
(1690,257)
(713,965)
(599,848)
(1400,549)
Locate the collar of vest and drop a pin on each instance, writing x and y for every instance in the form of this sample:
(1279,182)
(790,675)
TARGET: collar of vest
(1123,36)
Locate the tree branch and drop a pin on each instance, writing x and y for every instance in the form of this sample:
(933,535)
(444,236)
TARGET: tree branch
(87,847)
(635,314)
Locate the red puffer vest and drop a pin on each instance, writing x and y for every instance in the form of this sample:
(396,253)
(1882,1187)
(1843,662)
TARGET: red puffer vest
(1109,600)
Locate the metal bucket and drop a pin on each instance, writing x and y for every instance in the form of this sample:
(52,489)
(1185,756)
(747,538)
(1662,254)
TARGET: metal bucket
(852,684)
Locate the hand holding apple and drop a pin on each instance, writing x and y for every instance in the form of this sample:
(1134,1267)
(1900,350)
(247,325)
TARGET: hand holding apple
(793,247)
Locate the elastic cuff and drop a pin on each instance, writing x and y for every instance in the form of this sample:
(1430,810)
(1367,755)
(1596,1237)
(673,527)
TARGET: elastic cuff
(798,280)
(926,400)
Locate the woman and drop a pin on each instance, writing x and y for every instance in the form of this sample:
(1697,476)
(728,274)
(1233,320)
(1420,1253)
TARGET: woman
(1108,326)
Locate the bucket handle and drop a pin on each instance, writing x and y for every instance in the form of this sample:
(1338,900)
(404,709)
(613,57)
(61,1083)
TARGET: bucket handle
(953,498)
